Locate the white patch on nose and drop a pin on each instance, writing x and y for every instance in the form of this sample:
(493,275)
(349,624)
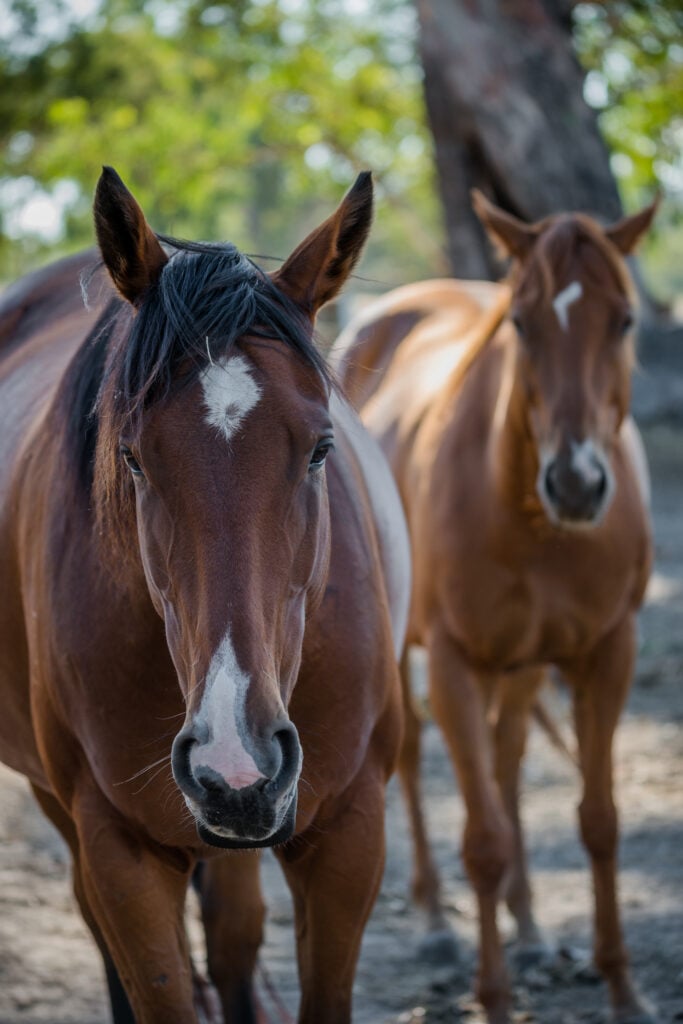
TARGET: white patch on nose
(221,714)
(587,462)
(564,299)
(230,392)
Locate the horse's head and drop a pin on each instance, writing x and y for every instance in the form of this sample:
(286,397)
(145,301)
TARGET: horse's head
(214,430)
(573,311)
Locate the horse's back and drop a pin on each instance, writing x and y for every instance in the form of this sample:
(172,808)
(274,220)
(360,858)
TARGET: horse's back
(42,322)
(418,325)
(394,370)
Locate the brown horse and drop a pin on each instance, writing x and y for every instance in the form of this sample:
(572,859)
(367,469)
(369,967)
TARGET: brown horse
(503,410)
(194,586)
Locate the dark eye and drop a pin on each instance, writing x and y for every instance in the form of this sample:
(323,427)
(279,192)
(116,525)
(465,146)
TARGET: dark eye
(517,324)
(626,323)
(130,460)
(322,449)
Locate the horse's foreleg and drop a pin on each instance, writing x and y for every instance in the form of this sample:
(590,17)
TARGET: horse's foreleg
(136,894)
(334,872)
(458,704)
(426,885)
(601,682)
(517,696)
(233,913)
(51,807)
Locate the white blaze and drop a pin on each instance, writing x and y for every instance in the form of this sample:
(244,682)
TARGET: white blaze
(230,392)
(564,299)
(221,713)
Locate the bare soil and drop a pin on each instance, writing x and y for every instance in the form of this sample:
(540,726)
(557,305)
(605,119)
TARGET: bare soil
(50,972)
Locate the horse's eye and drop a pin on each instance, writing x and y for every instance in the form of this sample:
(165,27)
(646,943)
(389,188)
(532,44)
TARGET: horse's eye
(130,460)
(322,449)
(626,323)
(517,324)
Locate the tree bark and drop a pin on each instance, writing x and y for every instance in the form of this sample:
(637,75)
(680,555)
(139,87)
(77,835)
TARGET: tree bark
(504,96)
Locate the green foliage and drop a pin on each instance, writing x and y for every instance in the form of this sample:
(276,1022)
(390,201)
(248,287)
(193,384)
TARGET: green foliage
(633,52)
(247,119)
(241,120)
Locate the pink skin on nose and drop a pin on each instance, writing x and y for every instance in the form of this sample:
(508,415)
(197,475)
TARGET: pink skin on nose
(229,759)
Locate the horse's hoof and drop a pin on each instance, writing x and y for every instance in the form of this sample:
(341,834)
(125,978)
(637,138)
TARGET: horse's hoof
(530,955)
(439,948)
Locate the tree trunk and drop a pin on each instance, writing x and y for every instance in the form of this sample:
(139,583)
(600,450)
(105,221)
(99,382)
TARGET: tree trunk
(504,96)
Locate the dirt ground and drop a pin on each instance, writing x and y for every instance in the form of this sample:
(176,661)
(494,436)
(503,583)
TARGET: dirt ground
(50,972)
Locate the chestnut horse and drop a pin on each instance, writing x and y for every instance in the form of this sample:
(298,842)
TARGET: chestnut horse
(503,410)
(204,577)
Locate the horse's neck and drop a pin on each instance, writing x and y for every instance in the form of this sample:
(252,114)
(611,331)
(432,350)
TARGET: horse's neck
(512,458)
(109,568)
(476,340)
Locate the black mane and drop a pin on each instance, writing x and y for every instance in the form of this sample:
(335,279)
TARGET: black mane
(207,297)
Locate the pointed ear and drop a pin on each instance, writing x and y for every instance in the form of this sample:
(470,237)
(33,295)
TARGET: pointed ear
(628,231)
(317,269)
(130,249)
(512,235)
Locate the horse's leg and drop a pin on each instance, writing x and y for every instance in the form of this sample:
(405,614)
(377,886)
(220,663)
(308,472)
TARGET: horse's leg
(334,872)
(517,696)
(136,893)
(120,1006)
(233,913)
(457,695)
(440,943)
(601,683)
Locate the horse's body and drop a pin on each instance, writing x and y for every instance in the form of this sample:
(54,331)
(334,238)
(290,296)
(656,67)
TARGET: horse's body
(274,595)
(503,411)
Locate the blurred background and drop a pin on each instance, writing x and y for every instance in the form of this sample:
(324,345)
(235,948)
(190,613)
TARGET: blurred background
(246,120)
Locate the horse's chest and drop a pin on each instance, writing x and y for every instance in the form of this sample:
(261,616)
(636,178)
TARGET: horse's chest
(538,609)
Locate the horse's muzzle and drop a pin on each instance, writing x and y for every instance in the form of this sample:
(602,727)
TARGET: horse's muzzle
(260,814)
(576,492)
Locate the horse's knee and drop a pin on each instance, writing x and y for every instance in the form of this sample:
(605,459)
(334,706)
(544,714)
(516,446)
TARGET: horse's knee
(599,828)
(232,948)
(488,854)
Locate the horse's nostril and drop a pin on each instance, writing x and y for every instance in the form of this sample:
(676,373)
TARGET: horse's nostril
(601,485)
(550,484)
(286,739)
(210,781)
(180,755)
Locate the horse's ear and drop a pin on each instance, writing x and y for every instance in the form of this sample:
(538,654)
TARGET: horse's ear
(628,231)
(130,249)
(318,268)
(512,235)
